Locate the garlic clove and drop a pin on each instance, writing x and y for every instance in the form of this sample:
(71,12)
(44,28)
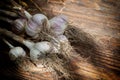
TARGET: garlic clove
(16,52)
(19,25)
(58,24)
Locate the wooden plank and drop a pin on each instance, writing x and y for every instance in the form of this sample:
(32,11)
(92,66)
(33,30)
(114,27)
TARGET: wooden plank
(98,18)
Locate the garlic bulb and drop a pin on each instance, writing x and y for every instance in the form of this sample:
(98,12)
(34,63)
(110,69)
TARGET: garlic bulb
(31,29)
(58,24)
(35,24)
(39,49)
(15,52)
(40,19)
(19,25)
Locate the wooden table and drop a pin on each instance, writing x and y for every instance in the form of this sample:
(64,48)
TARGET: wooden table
(99,45)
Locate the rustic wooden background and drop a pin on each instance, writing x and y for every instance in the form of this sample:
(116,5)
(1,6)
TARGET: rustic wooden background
(98,18)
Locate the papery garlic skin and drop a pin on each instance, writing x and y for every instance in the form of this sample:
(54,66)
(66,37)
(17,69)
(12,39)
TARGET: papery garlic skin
(39,49)
(32,29)
(35,54)
(43,47)
(16,52)
(40,19)
(35,24)
(58,24)
(19,25)
(62,38)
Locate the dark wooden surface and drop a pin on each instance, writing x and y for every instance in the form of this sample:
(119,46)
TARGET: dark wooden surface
(101,20)
(100,47)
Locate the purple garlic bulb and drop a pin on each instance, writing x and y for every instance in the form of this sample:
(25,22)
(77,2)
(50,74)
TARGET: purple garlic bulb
(19,25)
(35,24)
(59,24)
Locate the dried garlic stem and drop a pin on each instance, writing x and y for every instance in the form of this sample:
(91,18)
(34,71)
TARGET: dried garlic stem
(6,19)
(14,3)
(10,45)
(11,35)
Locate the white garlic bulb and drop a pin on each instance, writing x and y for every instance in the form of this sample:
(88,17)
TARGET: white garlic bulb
(19,25)
(15,52)
(35,24)
(58,24)
(35,54)
(40,19)
(39,49)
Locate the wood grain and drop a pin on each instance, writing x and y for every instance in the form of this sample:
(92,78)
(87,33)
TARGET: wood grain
(98,42)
